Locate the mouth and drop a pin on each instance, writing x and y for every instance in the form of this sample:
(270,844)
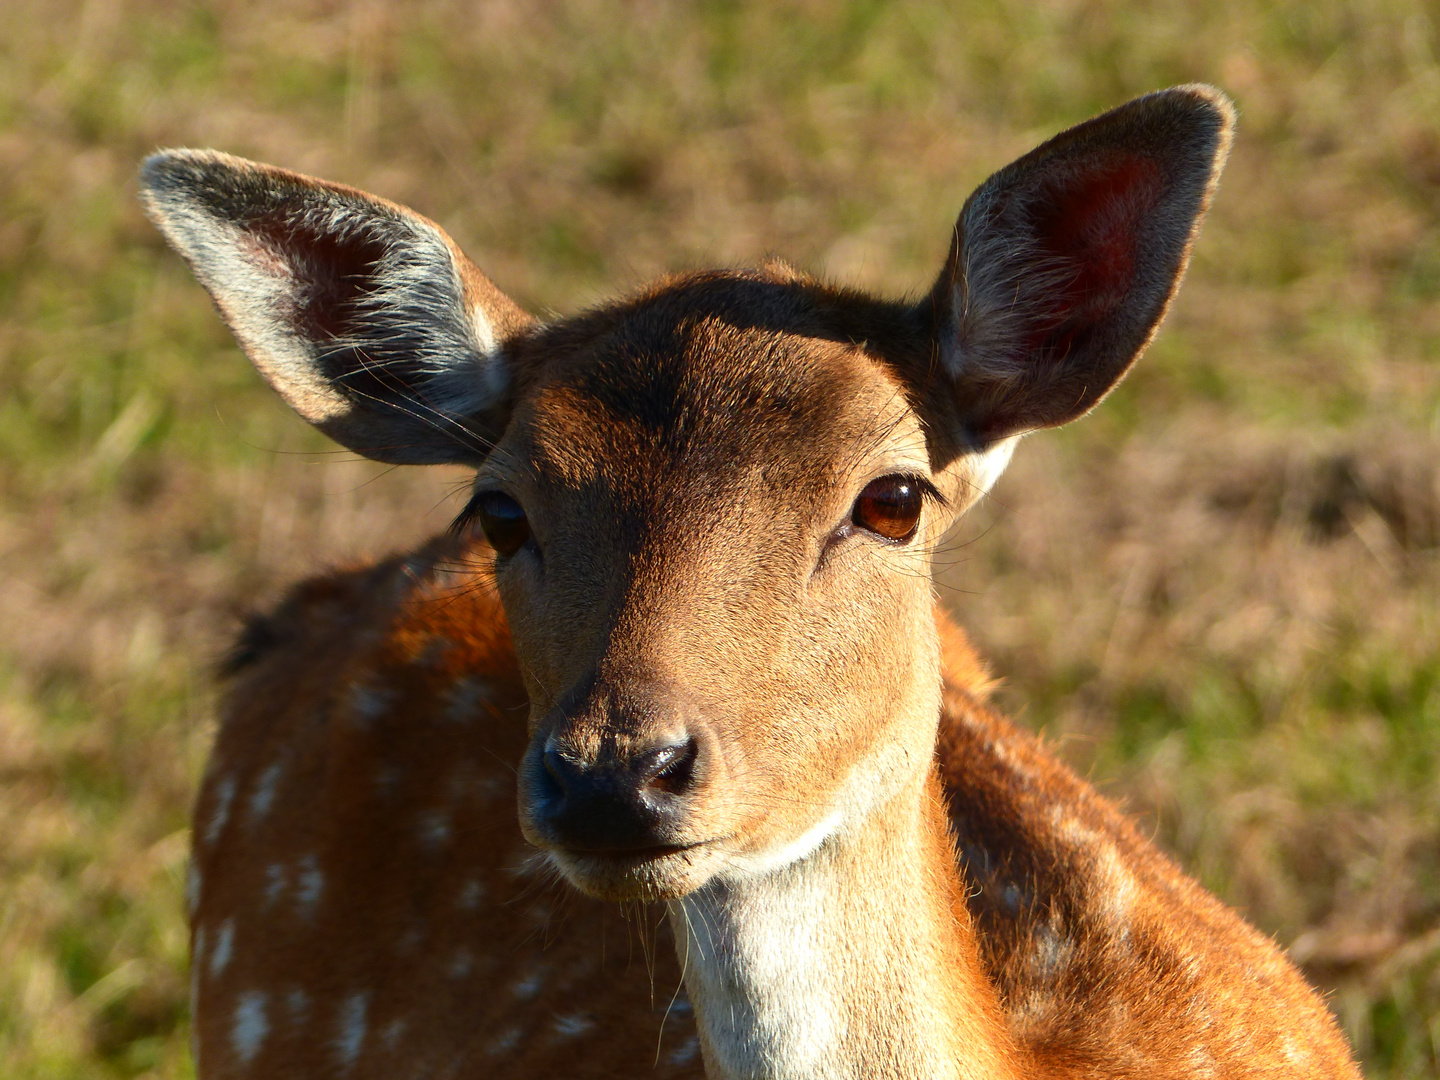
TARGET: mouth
(659,872)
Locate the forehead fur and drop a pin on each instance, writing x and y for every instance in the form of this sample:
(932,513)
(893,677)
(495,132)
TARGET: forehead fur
(714,372)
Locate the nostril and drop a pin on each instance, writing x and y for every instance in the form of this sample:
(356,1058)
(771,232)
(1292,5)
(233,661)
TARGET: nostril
(558,769)
(670,768)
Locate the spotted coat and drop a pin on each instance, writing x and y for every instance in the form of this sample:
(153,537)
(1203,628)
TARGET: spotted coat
(364,904)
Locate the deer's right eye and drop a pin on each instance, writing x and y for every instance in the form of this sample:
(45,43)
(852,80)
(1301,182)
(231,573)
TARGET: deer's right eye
(502,520)
(890,507)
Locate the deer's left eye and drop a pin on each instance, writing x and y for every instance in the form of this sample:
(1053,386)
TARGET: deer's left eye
(503,521)
(890,507)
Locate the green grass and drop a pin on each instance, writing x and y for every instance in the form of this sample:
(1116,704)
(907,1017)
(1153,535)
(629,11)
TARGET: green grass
(1217,595)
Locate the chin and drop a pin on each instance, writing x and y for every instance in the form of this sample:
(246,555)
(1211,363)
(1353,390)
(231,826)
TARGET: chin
(618,877)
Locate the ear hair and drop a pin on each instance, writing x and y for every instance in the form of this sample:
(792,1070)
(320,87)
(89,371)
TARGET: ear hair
(1064,262)
(364,315)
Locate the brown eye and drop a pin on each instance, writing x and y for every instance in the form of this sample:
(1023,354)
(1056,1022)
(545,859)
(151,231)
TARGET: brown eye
(890,507)
(503,521)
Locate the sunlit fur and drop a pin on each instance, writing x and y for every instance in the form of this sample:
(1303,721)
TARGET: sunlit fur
(869,874)
(391,694)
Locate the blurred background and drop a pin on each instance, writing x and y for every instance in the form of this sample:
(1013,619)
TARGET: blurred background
(1218,596)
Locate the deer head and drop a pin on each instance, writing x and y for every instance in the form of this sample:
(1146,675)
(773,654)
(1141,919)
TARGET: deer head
(713,504)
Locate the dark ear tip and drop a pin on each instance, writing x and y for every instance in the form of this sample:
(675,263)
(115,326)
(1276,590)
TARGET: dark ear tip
(1205,103)
(1205,96)
(161,168)
(157,173)
(166,170)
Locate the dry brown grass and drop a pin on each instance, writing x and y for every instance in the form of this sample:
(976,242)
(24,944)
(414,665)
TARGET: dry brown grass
(1218,594)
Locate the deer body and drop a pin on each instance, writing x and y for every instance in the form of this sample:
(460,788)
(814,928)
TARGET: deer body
(711,508)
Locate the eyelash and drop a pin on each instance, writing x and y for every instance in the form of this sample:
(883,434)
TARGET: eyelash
(932,494)
(468,515)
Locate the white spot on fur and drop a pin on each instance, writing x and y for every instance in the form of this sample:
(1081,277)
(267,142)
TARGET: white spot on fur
(308,886)
(223,948)
(529,986)
(368,703)
(250,1027)
(224,796)
(275,880)
(263,797)
(1117,887)
(471,893)
(193,884)
(197,963)
(686,1052)
(1052,952)
(391,1032)
(351,1035)
(461,964)
(1005,754)
(1034,1010)
(506,1041)
(1295,1053)
(573,1026)
(1069,828)
(434,829)
(462,703)
(1011,897)
(1202,1064)
(297,1004)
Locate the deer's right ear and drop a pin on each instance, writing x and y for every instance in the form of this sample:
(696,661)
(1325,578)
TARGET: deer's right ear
(1064,262)
(364,315)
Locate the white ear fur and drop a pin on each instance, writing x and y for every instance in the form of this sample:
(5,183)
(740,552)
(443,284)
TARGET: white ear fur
(988,465)
(1006,283)
(365,316)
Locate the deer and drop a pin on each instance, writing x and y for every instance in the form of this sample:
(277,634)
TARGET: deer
(770,823)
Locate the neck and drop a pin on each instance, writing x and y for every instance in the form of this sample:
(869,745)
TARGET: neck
(857,961)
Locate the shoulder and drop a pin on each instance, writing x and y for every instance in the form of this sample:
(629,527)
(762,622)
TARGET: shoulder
(369,650)
(440,594)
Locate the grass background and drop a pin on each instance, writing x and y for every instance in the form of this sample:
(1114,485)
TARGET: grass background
(1219,595)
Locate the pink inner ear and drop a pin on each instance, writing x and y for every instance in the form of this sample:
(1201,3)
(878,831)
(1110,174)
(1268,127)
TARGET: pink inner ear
(1090,223)
(263,256)
(332,270)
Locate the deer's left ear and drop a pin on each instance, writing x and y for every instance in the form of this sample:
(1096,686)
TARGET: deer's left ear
(1064,262)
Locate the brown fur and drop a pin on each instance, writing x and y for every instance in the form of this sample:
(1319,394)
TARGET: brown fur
(730,683)
(1108,959)
(1172,987)
(493,968)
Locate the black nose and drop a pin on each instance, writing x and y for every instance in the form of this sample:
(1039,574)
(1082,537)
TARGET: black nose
(621,800)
